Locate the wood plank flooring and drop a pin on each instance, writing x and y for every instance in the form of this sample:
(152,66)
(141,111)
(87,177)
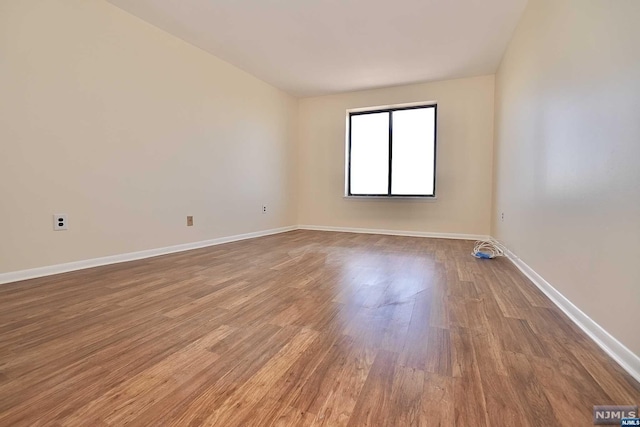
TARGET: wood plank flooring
(299,329)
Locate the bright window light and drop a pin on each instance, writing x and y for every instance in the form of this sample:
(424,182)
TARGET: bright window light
(392,152)
(370,153)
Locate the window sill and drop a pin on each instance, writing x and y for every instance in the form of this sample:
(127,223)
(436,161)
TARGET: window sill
(399,198)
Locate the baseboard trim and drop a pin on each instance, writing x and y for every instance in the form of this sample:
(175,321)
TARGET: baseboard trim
(33,273)
(629,361)
(395,232)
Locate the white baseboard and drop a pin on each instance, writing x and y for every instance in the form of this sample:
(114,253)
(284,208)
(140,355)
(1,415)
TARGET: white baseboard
(395,232)
(33,273)
(131,256)
(629,361)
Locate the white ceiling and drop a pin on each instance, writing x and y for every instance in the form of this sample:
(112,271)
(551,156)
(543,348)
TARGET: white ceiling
(314,47)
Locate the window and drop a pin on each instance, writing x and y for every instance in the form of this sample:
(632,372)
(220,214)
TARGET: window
(392,152)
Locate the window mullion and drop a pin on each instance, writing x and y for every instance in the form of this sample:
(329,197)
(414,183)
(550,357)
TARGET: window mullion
(390,150)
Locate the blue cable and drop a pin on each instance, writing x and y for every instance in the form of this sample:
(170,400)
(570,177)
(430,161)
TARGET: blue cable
(482,255)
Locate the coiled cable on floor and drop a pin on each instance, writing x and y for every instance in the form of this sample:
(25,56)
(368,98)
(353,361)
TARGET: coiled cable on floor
(486,249)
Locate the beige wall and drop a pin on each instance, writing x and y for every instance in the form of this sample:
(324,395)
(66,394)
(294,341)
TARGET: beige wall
(128,130)
(567,154)
(464,160)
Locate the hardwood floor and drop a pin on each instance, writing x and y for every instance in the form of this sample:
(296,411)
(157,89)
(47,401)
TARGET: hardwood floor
(302,328)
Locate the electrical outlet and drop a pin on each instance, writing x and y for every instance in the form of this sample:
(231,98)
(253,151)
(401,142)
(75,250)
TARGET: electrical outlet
(264,209)
(501,216)
(189,221)
(60,222)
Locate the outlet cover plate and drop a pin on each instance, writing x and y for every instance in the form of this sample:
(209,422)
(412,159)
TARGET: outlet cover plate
(60,222)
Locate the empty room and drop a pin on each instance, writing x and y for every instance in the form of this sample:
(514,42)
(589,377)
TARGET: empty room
(319,213)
